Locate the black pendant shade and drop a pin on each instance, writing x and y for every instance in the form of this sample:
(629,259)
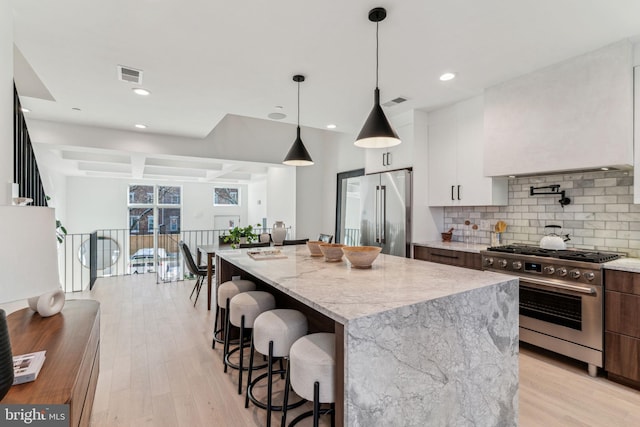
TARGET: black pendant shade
(377,131)
(298,154)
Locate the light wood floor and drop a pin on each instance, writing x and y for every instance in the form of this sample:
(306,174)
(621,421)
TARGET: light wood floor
(157,368)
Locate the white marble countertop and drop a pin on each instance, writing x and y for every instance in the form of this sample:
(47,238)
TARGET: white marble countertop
(454,246)
(631,265)
(344,293)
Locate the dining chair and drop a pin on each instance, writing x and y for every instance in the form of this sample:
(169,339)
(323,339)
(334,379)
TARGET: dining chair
(199,272)
(326,238)
(295,242)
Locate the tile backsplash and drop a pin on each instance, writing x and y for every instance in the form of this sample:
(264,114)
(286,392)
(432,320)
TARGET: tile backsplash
(601,215)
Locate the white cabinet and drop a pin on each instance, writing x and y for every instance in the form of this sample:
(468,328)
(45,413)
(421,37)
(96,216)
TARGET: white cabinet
(455,141)
(574,115)
(398,157)
(636,142)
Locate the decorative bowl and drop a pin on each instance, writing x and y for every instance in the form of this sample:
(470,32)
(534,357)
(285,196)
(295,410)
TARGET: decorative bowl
(361,256)
(314,247)
(332,251)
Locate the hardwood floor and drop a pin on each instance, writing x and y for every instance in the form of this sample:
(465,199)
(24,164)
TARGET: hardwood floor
(157,368)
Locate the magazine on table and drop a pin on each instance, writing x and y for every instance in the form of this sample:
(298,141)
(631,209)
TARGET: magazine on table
(26,367)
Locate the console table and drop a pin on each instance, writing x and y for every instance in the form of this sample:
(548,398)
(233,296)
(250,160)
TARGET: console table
(70,372)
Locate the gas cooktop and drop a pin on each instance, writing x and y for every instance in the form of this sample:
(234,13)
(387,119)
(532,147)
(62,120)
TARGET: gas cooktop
(569,254)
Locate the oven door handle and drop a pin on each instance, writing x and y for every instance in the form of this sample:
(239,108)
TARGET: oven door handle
(581,289)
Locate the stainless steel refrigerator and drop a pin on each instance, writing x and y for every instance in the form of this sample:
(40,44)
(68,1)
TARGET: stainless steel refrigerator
(385,205)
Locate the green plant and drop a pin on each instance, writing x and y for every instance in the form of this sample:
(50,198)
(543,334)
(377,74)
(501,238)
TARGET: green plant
(61,232)
(237,232)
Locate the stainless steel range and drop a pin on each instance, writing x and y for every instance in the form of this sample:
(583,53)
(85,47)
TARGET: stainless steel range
(561,297)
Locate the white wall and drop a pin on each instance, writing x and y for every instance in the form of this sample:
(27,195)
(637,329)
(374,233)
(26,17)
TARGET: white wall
(6,101)
(96,203)
(257,202)
(281,197)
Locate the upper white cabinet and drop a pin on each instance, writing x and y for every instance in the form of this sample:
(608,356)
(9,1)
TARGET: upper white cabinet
(398,157)
(574,115)
(455,150)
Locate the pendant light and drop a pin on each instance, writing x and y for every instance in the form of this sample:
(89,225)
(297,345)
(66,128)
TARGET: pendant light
(377,131)
(298,154)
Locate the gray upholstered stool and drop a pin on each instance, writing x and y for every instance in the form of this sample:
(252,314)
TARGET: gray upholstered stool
(310,372)
(226,291)
(244,308)
(273,334)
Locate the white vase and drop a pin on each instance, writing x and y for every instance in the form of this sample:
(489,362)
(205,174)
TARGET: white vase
(278,233)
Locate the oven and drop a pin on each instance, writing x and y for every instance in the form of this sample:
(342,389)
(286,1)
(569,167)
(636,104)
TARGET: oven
(561,303)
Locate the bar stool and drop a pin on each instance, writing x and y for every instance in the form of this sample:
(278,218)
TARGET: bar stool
(312,364)
(243,310)
(226,291)
(273,334)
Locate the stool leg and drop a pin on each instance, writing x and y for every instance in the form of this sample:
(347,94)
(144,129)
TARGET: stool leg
(333,415)
(281,369)
(215,326)
(199,286)
(285,400)
(251,351)
(241,355)
(227,326)
(269,383)
(316,403)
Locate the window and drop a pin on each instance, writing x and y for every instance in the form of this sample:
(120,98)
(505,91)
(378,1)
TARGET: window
(173,224)
(140,194)
(134,223)
(168,195)
(223,196)
(150,224)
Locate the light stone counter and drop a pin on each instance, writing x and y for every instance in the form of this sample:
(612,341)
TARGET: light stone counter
(424,343)
(454,246)
(632,265)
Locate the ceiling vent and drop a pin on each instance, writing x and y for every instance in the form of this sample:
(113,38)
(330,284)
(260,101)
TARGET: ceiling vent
(128,74)
(395,101)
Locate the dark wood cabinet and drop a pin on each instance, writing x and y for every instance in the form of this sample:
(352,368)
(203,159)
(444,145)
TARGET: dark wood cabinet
(622,327)
(448,256)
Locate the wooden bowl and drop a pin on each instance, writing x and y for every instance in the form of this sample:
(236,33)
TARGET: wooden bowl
(361,256)
(332,251)
(314,247)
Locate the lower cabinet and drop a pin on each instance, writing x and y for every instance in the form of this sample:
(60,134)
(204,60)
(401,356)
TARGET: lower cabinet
(622,327)
(448,256)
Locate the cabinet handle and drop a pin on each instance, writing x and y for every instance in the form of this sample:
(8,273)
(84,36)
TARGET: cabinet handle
(458,192)
(445,256)
(388,158)
(384,159)
(452,192)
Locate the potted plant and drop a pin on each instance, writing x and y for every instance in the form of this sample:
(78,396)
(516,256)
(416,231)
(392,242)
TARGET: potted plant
(239,235)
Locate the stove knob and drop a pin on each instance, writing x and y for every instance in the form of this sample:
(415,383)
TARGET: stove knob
(549,270)
(562,271)
(575,274)
(502,263)
(589,276)
(517,265)
(488,262)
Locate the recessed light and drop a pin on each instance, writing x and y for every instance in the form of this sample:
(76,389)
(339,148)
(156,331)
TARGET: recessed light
(76,109)
(140,91)
(141,126)
(279,107)
(277,116)
(447,76)
(604,169)
(25,110)
(331,126)
(512,176)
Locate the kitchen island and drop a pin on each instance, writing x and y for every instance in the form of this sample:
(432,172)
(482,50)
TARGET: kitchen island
(418,343)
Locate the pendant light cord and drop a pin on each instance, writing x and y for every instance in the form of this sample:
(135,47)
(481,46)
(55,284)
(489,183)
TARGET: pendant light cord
(298,104)
(377,48)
